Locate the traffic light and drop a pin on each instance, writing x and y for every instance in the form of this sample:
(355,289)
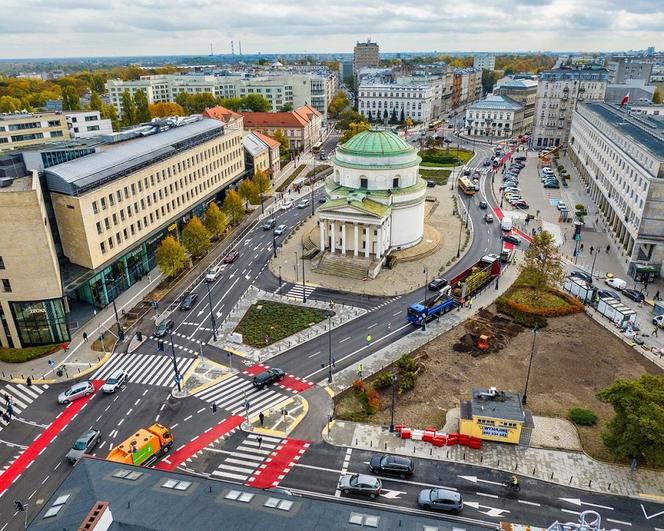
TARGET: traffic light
(160,345)
(121,335)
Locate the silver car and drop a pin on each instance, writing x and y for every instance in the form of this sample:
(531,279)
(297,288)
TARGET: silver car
(78,390)
(440,500)
(360,484)
(280,229)
(114,381)
(84,445)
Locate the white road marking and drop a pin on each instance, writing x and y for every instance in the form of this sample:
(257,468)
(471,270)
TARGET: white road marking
(618,522)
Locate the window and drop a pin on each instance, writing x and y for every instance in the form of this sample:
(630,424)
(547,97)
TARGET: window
(364,182)
(95,208)
(129,475)
(6,285)
(103,203)
(277,503)
(110,199)
(175,484)
(98,231)
(236,495)
(395,182)
(102,246)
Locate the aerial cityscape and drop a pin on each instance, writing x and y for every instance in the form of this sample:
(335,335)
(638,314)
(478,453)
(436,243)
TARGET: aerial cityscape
(387,265)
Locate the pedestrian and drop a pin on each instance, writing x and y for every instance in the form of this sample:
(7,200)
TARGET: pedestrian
(85,336)
(608,248)
(581,247)
(470,302)
(360,370)
(654,331)
(149,279)
(591,249)
(261,418)
(260,440)
(7,399)
(10,410)
(657,295)
(28,381)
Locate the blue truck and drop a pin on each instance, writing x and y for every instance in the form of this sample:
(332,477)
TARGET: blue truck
(433,307)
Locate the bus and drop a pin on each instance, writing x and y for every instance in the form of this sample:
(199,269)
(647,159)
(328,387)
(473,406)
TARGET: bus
(317,147)
(435,124)
(467,186)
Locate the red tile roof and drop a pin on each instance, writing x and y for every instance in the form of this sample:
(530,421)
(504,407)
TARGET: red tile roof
(274,119)
(271,142)
(221,113)
(307,112)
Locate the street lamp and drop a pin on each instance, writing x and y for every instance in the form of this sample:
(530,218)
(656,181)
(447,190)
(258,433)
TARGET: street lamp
(212,321)
(175,362)
(274,239)
(460,229)
(592,269)
(304,290)
(329,343)
(394,388)
(426,280)
(311,182)
(279,276)
(530,364)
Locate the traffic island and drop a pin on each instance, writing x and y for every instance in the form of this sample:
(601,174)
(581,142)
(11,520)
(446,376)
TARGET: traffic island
(281,419)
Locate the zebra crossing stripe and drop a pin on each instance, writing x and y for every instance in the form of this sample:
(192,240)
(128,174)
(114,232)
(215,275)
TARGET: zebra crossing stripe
(243,462)
(21,396)
(230,393)
(297,290)
(145,368)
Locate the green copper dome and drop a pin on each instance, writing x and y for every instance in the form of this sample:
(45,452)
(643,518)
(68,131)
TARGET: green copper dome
(376,143)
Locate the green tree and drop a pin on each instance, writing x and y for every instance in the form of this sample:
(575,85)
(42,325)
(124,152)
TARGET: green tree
(10,104)
(637,429)
(70,99)
(286,107)
(355,128)
(262,181)
(284,146)
(338,104)
(171,256)
(249,191)
(216,221)
(369,116)
(142,107)
(393,116)
(108,111)
(234,104)
(402,117)
(233,206)
(95,103)
(182,99)
(164,109)
(97,83)
(349,116)
(199,102)
(256,103)
(195,237)
(542,261)
(128,109)
(489,78)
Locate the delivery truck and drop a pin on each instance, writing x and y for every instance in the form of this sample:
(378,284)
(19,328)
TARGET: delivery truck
(144,447)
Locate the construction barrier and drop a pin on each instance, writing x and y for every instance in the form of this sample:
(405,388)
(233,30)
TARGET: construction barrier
(452,439)
(405,433)
(430,435)
(463,440)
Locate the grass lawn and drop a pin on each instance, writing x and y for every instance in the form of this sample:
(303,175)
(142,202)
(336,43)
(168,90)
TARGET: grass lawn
(535,299)
(19,355)
(267,322)
(442,158)
(437,176)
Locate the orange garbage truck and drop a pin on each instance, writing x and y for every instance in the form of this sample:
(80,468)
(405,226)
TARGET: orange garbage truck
(144,447)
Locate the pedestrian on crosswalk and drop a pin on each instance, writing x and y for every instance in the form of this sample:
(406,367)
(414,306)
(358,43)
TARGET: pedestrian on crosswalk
(85,336)
(10,410)
(261,418)
(260,440)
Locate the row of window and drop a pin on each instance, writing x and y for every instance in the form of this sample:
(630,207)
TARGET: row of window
(484,114)
(29,136)
(392,105)
(409,94)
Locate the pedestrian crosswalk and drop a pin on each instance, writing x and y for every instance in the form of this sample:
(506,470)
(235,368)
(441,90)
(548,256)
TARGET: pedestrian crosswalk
(21,397)
(385,303)
(296,291)
(242,462)
(145,368)
(482,170)
(230,395)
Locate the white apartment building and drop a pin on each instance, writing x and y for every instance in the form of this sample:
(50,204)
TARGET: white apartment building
(484,61)
(558,91)
(379,101)
(620,158)
(85,124)
(495,116)
(18,130)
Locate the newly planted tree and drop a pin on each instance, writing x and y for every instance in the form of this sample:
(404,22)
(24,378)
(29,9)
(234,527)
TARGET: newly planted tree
(195,237)
(171,256)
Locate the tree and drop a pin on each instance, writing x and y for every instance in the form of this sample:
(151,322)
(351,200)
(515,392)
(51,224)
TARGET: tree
(70,99)
(182,99)
(249,191)
(108,111)
(393,116)
(195,237)
(637,429)
(216,221)
(199,102)
(369,116)
(349,116)
(542,262)
(142,107)
(165,109)
(128,109)
(355,128)
(488,80)
(256,103)
(234,104)
(657,96)
(286,107)
(97,83)
(338,104)
(10,104)
(385,115)
(262,181)
(95,103)
(284,146)
(402,117)
(171,256)
(409,122)
(233,206)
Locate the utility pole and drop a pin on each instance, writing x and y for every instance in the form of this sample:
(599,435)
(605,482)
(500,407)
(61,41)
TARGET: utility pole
(530,364)
(175,363)
(394,388)
(212,320)
(311,182)
(274,240)
(304,286)
(329,343)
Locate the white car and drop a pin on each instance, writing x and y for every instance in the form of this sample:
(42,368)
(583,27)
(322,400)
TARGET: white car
(617,283)
(658,320)
(114,381)
(561,205)
(78,390)
(280,230)
(213,274)
(286,204)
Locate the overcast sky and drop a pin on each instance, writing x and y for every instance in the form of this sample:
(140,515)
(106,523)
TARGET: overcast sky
(57,28)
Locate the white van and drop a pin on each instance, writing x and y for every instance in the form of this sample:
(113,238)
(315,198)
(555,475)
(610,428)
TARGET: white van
(506,223)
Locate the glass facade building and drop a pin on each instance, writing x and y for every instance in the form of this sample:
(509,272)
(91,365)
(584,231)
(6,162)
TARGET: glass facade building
(40,322)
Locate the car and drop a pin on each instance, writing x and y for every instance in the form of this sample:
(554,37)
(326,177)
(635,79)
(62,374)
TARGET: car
(633,294)
(515,189)
(658,320)
(188,300)
(551,181)
(608,294)
(437,284)
(280,229)
(164,328)
(510,238)
(582,275)
(360,484)
(547,171)
(322,200)
(440,500)
(303,203)
(268,377)
(552,185)
(84,445)
(114,381)
(73,392)
(286,204)
(521,204)
(231,256)
(269,224)
(486,163)
(488,218)
(483,205)
(394,465)
(322,156)
(213,274)
(617,283)
(466,172)
(561,205)
(521,158)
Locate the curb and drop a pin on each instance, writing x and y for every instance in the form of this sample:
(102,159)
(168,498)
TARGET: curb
(52,381)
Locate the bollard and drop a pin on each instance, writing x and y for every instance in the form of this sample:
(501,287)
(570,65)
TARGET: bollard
(590,482)
(355,442)
(210,489)
(481,458)
(431,451)
(609,488)
(464,456)
(570,480)
(448,454)
(413,449)
(370,444)
(551,475)
(498,463)
(516,467)
(386,446)
(533,471)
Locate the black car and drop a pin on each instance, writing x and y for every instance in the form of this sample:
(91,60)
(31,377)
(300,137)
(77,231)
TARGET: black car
(322,200)
(521,158)
(608,294)
(269,224)
(483,205)
(437,284)
(511,239)
(486,163)
(551,185)
(431,184)
(393,465)
(268,378)
(188,300)
(164,328)
(633,294)
(582,275)
(466,172)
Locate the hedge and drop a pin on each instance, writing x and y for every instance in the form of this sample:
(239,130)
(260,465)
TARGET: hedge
(283,186)
(19,355)
(582,417)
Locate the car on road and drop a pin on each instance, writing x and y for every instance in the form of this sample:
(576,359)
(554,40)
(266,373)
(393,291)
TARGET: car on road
(658,320)
(231,256)
(286,204)
(582,275)
(188,300)
(114,381)
(323,200)
(437,284)
(213,274)
(608,294)
(269,224)
(466,172)
(561,205)
(303,203)
(394,465)
(488,218)
(486,163)
(360,484)
(84,445)
(617,283)
(431,184)
(483,205)
(268,377)
(510,238)
(552,185)
(440,500)
(78,390)
(280,229)
(164,328)
(633,294)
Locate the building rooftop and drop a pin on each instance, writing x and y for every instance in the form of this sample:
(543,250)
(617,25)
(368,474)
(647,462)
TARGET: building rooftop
(491,102)
(523,84)
(588,73)
(497,404)
(221,113)
(273,119)
(9,116)
(271,142)
(375,142)
(253,144)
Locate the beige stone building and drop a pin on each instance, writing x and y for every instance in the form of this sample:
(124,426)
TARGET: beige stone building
(28,129)
(365,55)
(302,127)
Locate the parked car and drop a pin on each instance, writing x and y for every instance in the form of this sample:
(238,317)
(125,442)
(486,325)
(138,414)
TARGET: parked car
(431,184)
(268,377)
(437,284)
(633,294)
(303,203)
(582,275)
(213,274)
(617,283)
(608,294)
(488,218)
(280,229)
(483,205)
(269,224)
(78,390)
(440,500)
(286,204)
(561,205)
(394,465)
(322,200)
(552,185)
(231,256)
(658,320)
(521,158)
(360,484)
(510,238)
(84,445)
(114,381)
(164,328)
(521,204)
(188,300)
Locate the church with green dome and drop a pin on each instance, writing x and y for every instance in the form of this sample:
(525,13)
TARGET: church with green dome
(375,198)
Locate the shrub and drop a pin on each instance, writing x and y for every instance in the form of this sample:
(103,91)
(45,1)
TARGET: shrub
(383,380)
(407,363)
(560,167)
(406,382)
(358,386)
(582,417)
(372,400)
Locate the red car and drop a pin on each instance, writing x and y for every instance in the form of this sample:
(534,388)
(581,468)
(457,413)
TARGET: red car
(231,257)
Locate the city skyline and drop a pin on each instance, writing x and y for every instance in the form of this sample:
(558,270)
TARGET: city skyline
(154,27)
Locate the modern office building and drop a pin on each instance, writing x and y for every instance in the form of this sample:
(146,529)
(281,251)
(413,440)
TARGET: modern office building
(484,61)
(86,124)
(20,130)
(558,92)
(302,127)
(365,55)
(105,208)
(495,116)
(621,69)
(379,101)
(620,158)
(523,91)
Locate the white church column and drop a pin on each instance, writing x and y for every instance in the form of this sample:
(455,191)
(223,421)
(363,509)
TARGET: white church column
(356,246)
(334,236)
(343,238)
(379,242)
(367,240)
(321,226)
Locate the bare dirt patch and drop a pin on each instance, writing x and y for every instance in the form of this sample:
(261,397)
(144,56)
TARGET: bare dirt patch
(574,358)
